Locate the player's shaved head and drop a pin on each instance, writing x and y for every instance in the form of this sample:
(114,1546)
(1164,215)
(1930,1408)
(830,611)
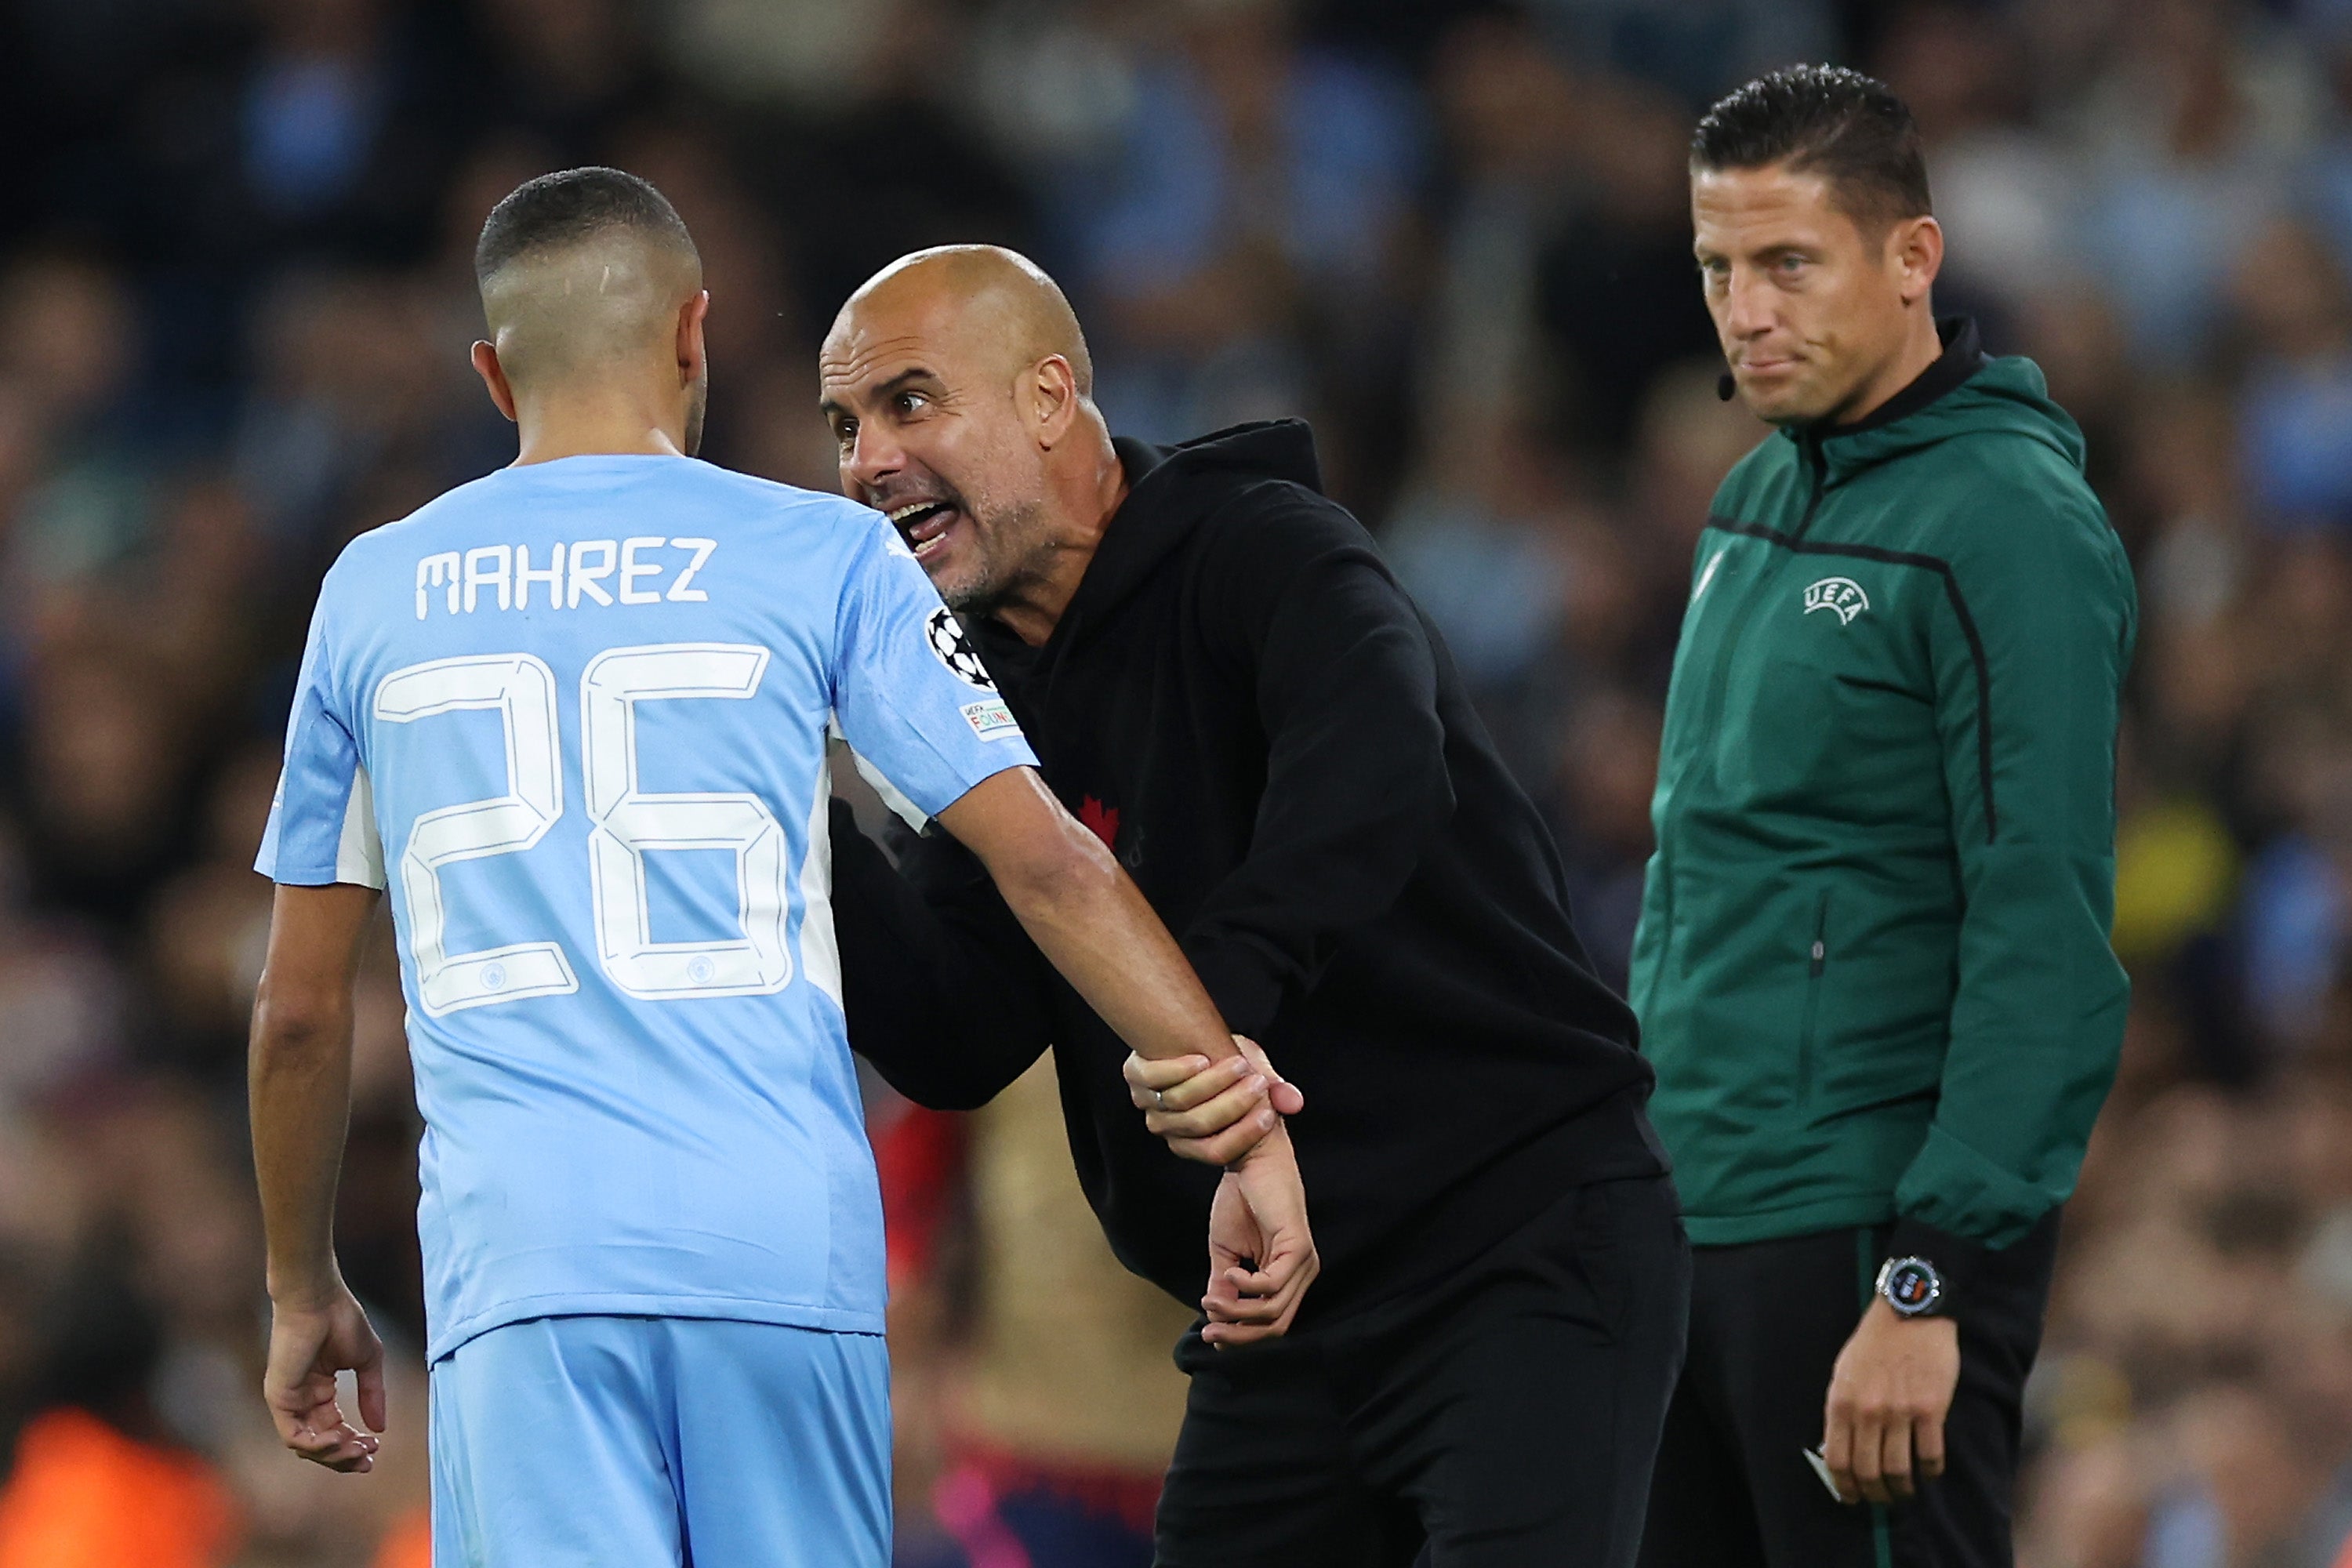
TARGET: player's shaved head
(996,304)
(582,271)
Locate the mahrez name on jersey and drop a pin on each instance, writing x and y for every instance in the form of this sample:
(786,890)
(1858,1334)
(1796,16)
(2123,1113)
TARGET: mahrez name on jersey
(502,574)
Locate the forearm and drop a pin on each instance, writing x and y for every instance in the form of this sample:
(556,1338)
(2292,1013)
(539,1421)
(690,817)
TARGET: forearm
(1080,908)
(2037,1018)
(300,1086)
(945,999)
(1093,924)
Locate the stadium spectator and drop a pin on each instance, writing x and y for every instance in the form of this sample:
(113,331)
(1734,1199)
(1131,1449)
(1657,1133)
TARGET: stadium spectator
(1260,177)
(145,353)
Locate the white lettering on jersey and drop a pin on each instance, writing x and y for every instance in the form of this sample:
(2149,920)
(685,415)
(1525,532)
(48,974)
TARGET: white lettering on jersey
(553,576)
(431,573)
(1842,596)
(679,591)
(630,571)
(499,576)
(480,570)
(583,578)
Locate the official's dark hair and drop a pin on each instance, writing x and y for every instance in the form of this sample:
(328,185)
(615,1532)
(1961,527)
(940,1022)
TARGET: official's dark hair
(1827,121)
(561,209)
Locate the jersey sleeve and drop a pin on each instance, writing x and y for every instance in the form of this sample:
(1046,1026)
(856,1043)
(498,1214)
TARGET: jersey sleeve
(909,690)
(323,824)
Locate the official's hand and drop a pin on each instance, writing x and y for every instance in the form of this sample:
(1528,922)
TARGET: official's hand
(1214,1112)
(1884,1431)
(308,1346)
(1261,1254)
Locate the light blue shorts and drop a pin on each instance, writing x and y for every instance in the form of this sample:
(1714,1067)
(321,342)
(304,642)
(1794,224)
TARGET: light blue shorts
(651,1442)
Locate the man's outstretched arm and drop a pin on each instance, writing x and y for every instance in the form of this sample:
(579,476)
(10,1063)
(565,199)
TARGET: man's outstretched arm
(945,994)
(299,1083)
(905,705)
(1080,908)
(1094,924)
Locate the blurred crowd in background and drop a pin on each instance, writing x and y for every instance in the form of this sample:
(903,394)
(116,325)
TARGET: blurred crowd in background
(235,302)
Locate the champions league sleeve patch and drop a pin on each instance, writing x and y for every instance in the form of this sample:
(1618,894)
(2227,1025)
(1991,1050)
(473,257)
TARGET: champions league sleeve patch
(947,637)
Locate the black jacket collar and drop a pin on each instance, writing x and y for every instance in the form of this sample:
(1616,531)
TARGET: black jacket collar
(1963,356)
(1169,490)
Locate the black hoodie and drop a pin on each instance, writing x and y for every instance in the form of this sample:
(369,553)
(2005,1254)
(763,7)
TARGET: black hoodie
(1244,705)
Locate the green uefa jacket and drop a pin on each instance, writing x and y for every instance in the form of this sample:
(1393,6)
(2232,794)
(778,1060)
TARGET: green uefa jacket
(1873,969)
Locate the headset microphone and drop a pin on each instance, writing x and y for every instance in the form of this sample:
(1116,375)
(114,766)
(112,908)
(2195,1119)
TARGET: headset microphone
(1724,387)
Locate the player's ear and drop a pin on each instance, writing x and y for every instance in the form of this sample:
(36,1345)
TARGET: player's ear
(1054,399)
(494,376)
(691,348)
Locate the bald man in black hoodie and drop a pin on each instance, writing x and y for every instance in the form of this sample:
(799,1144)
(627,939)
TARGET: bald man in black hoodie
(1224,681)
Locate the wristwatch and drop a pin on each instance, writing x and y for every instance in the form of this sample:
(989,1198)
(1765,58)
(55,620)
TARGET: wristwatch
(1911,1286)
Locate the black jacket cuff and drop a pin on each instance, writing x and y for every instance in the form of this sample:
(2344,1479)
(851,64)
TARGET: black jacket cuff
(1240,980)
(1957,1260)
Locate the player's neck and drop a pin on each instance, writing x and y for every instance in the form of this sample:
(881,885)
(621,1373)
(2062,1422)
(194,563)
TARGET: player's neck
(1032,606)
(608,424)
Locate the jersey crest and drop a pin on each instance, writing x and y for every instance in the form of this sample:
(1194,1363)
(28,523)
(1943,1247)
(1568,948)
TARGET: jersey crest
(1842,596)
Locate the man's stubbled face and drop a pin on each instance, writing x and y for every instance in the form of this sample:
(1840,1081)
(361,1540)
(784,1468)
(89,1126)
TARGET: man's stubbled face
(930,436)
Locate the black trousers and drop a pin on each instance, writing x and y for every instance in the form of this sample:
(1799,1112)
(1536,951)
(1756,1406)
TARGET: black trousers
(1768,1320)
(1504,1419)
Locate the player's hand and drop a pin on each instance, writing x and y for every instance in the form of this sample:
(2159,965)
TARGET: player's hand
(1212,1111)
(1261,1254)
(1883,1432)
(308,1346)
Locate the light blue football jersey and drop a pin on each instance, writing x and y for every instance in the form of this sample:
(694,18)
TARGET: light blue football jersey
(574,716)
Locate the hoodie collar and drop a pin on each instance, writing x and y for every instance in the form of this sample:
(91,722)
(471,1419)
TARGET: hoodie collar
(1963,356)
(1171,489)
(1137,457)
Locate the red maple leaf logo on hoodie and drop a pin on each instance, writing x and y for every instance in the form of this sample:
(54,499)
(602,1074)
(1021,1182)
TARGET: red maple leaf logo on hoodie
(1101,820)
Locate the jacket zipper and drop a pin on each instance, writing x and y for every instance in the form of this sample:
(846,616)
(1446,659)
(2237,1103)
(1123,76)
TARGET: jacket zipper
(1817,959)
(1720,680)
(1817,466)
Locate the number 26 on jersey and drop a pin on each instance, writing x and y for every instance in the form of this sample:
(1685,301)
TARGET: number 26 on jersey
(628,824)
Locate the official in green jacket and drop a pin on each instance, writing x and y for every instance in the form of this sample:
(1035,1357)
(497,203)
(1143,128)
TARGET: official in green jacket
(1873,969)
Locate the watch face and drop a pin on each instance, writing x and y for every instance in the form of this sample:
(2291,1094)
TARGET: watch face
(1911,1286)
